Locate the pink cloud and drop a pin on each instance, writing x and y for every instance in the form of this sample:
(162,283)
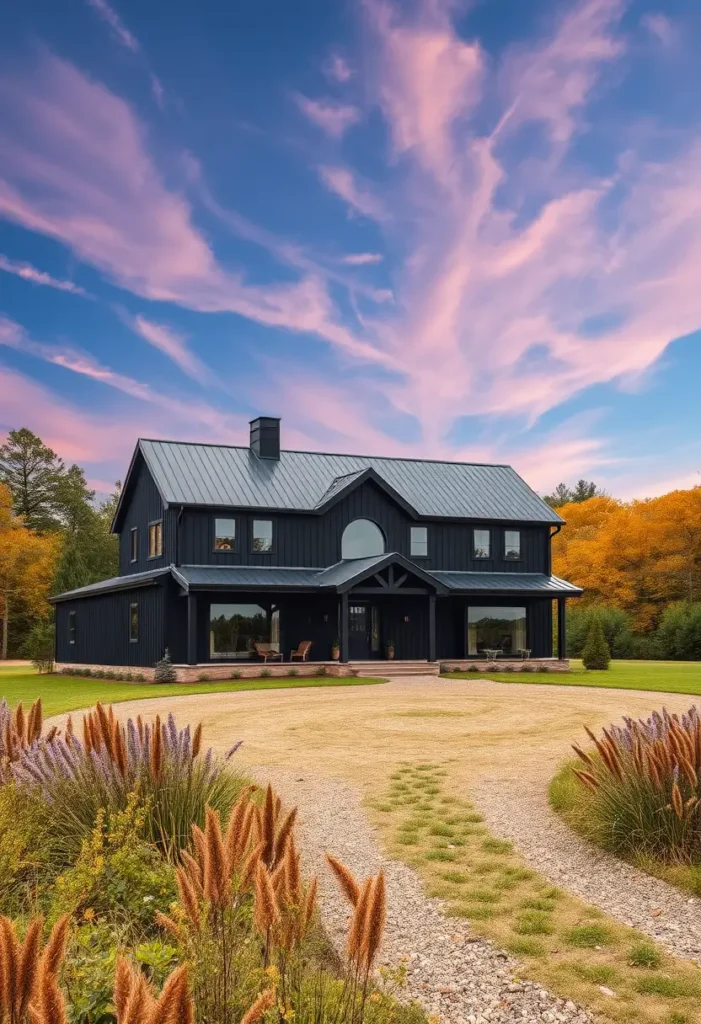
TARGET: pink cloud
(119,30)
(361,259)
(358,197)
(333,118)
(29,273)
(428,79)
(661,28)
(76,168)
(338,69)
(173,345)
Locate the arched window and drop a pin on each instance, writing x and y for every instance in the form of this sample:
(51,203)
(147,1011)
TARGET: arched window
(362,538)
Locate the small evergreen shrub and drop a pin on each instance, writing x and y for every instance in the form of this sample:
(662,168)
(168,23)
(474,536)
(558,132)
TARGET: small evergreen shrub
(293,671)
(473,668)
(203,677)
(236,674)
(265,673)
(38,646)
(508,668)
(596,654)
(165,673)
(320,671)
(140,677)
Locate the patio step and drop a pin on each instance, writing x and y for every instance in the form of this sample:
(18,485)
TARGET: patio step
(395,668)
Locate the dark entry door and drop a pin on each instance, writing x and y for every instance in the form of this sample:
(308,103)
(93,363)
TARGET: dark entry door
(359,632)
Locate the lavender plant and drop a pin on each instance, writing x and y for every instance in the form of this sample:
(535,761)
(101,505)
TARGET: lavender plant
(165,765)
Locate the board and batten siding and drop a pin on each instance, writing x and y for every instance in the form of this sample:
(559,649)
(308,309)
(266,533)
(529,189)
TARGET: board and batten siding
(145,506)
(102,628)
(315,540)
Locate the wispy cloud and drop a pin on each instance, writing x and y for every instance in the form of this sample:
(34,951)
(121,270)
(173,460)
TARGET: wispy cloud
(338,69)
(333,118)
(361,259)
(175,347)
(119,29)
(106,200)
(358,196)
(662,28)
(29,273)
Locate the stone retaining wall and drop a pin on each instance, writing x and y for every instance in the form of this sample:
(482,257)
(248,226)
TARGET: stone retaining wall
(201,673)
(509,665)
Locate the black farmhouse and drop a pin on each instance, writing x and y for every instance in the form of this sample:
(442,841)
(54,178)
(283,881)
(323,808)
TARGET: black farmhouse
(232,555)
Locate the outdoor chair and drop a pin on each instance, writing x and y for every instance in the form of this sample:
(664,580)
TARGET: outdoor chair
(302,651)
(267,652)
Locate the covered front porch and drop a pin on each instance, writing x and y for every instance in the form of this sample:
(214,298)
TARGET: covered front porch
(360,612)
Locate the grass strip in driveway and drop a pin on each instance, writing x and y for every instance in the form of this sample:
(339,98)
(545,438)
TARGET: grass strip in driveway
(571,948)
(660,676)
(60,694)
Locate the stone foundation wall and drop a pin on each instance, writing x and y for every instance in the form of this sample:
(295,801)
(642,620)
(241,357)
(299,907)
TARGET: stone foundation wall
(195,673)
(509,665)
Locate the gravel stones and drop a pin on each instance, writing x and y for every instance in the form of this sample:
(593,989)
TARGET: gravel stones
(453,973)
(521,813)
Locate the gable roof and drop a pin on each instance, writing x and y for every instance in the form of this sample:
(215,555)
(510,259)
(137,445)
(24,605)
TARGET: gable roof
(234,477)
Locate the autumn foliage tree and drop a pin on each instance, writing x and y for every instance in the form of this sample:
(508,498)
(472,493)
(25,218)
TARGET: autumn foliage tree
(640,556)
(27,567)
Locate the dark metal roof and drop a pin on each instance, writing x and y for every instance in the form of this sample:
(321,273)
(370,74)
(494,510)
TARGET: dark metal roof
(244,576)
(218,475)
(136,579)
(339,577)
(507,582)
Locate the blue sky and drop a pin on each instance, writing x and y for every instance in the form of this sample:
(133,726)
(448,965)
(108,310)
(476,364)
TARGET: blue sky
(432,229)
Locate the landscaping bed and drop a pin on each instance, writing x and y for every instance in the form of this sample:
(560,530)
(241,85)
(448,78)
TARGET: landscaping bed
(662,676)
(144,879)
(635,792)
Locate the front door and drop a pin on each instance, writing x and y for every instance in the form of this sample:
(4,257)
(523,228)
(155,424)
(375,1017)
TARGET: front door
(359,632)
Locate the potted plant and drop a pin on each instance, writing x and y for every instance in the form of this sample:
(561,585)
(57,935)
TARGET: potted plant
(390,651)
(335,650)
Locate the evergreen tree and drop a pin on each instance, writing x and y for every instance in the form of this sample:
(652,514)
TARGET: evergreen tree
(72,571)
(582,491)
(596,654)
(33,472)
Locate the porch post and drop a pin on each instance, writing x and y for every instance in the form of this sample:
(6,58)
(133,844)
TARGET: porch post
(344,626)
(431,627)
(192,629)
(561,628)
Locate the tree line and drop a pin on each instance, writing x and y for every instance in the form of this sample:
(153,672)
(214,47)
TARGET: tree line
(639,564)
(54,536)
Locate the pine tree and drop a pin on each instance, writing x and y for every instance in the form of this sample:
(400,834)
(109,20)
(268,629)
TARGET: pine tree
(72,571)
(596,654)
(33,472)
(165,673)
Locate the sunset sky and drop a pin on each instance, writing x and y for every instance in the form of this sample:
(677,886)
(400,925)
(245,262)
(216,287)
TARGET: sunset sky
(452,230)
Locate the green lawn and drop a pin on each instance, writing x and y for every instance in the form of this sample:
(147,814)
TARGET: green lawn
(68,693)
(665,676)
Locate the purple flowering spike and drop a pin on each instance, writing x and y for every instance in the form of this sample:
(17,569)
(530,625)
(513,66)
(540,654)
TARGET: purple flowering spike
(232,750)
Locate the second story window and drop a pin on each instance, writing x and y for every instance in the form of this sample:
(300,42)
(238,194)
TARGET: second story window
(512,545)
(134,544)
(481,544)
(71,627)
(155,539)
(134,622)
(361,539)
(418,537)
(224,534)
(262,535)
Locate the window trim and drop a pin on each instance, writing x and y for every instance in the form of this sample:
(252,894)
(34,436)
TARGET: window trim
(155,522)
(373,522)
(132,606)
(417,526)
(133,545)
(474,555)
(273,531)
(226,551)
(511,558)
(72,627)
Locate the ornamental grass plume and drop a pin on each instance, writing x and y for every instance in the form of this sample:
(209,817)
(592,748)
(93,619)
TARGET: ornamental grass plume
(643,792)
(136,1003)
(264,1002)
(164,764)
(19,731)
(29,989)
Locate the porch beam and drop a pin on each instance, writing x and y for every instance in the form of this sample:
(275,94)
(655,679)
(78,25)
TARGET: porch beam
(389,590)
(344,626)
(431,627)
(401,579)
(192,629)
(380,580)
(561,628)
